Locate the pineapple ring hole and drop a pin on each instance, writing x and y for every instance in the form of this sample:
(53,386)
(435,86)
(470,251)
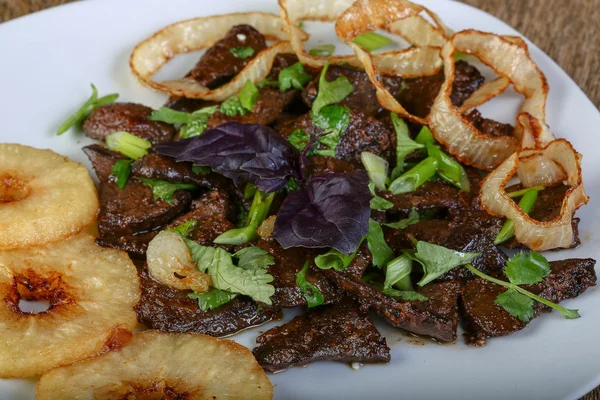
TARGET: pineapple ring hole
(33,294)
(13,188)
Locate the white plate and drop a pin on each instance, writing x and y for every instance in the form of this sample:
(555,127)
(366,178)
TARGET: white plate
(48,62)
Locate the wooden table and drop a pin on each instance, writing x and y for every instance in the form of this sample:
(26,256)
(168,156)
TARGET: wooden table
(568,31)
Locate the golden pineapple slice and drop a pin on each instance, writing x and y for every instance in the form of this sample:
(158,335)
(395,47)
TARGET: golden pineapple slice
(170,262)
(91,290)
(44,197)
(155,365)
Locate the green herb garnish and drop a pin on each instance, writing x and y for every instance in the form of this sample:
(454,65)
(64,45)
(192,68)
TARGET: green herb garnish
(185,228)
(90,105)
(413,218)
(519,193)
(333,120)
(248,95)
(437,260)
(404,144)
(232,107)
(526,203)
(121,170)
(127,144)
(311,293)
(331,92)
(379,249)
(198,169)
(371,41)
(377,168)
(299,138)
(242,52)
(192,124)
(335,259)
(164,190)
(415,177)
(397,274)
(378,203)
(212,299)
(254,258)
(322,50)
(293,76)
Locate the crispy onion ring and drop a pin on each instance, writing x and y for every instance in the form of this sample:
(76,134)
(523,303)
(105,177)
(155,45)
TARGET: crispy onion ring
(510,59)
(401,17)
(557,162)
(200,33)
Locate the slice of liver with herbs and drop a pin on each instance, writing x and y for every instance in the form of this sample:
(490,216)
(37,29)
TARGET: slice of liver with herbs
(483,318)
(130,211)
(436,318)
(128,117)
(489,126)
(339,332)
(363,133)
(169,310)
(363,97)
(287,265)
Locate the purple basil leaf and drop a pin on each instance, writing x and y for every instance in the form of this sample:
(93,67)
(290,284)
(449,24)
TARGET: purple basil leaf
(242,152)
(173,149)
(332,212)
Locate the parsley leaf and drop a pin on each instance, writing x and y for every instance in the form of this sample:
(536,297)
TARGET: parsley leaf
(527,269)
(378,203)
(226,276)
(311,293)
(397,273)
(413,218)
(299,138)
(379,249)
(164,190)
(185,228)
(248,95)
(331,92)
(242,52)
(293,76)
(90,105)
(232,107)
(121,170)
(254,258)
(323,50)
(516,304)
(212,299)
(437,260)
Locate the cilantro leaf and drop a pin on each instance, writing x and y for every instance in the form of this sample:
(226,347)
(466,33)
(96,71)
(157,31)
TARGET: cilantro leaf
(407,295)
(527,269)
(248,95)
(90,105)
(378,203)
(404,144)
(331,92)
(164,190)
(267,82)
(212,299)
(299,138)
(170,116)
(193,128)
(334,120)
(379,249)
(185,228)
(437,260)
(516,304)
(293,76)
(397,273)
(232,107)
(242,52)
(121,170)
(226,276)
(413,218)
(311,293)
(254,258)
(335,259)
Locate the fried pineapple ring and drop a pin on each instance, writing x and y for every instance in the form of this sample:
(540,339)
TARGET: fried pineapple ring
(44,197)
(162,365)
(91,291)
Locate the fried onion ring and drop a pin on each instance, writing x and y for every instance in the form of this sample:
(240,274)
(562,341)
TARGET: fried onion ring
(556,163)
(44,197)
(510,59)
(200,33)
(91,291)
(162,365)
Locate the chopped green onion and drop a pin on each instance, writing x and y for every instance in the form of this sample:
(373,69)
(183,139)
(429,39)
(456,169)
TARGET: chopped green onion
(415,177)
(335,259)
(249,191)
(212,299)
(397,274)
(404,144)
(519,193)
(90,105)
(449,169)
(121,171)
(376,167)
(425,137)
(381,252)
(323,50)
(257,214)
(127,144)
(311,293)
(526,203)
(371,41)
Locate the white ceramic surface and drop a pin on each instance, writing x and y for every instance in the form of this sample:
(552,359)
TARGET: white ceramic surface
(48,61)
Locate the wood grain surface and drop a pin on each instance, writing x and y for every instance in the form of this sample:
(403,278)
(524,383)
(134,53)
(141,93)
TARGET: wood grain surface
(566,30)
